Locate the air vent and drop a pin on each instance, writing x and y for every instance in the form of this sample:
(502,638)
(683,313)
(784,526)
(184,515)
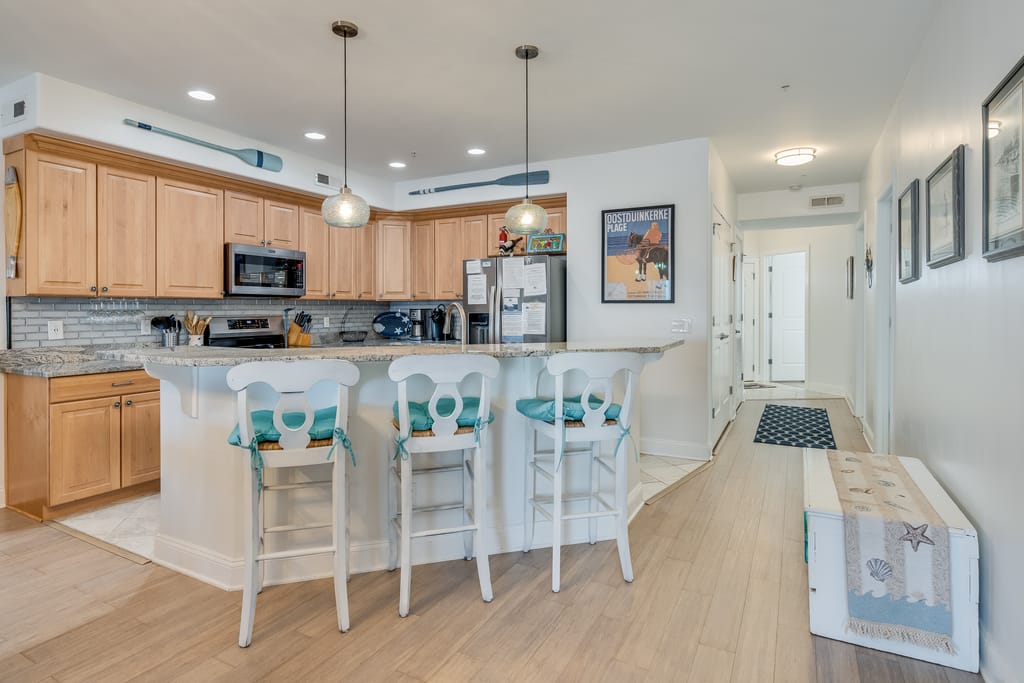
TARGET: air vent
(13,111)
(326,180)
(829,201)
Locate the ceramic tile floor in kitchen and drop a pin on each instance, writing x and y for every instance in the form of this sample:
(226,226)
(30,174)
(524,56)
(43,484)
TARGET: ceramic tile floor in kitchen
(659,472)
(129,524)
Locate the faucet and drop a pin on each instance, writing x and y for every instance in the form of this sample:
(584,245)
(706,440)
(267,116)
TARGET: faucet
(462,321)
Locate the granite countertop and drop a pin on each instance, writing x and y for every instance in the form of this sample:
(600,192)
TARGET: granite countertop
(62,361)
(205,356)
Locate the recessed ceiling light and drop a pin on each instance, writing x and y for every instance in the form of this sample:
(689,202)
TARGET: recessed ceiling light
(313,135)
(795,156)
(397,164)
(202,95)
(476,151)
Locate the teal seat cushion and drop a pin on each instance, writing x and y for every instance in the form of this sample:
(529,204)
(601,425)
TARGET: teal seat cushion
(419,412)
(263,425)
(544,408)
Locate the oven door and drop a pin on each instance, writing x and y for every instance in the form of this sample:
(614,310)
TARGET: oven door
(262,271)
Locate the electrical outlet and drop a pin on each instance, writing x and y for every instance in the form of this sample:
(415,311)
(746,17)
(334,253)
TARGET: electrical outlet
(327,321)
(680,326)
(55,329)
(145,327)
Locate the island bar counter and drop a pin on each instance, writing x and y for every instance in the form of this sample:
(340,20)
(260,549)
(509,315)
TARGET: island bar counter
(203,479)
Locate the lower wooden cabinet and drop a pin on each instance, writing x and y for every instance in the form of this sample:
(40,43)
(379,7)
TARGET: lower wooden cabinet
(71,438)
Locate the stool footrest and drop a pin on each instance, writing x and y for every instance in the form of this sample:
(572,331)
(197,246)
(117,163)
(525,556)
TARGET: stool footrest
(296,527)
(297,485)
(436,508)
(430,470)
(298,552)
(442,532)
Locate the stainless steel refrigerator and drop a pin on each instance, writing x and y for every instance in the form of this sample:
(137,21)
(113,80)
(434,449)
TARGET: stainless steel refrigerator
(514,299)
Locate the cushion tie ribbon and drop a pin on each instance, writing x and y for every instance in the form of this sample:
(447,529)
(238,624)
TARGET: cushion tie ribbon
(624,434)
(256,462)
(477,426)
(400,449)
(341,437)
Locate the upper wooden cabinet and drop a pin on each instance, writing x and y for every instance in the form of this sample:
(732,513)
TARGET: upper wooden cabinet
(281,223)
(556,223)
(190,244)
(447,258)
(126,233)
(60,226)
(315,240)
(352,263)
(394,260)
(243,218)
(422,260)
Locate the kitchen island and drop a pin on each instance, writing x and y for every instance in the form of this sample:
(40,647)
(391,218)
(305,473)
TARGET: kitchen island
(204,479)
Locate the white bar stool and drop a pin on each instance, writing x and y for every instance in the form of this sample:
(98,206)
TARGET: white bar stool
(591,417)
(449,421)
(293,435)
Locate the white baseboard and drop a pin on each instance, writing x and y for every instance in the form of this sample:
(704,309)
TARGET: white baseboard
(833,389)
(993,667)
(869,435)
(675,449)
(227,573)
(3,497)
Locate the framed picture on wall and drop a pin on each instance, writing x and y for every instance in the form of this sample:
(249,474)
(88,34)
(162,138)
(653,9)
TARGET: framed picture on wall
(909,265)
(944,211)
(637,261)
(1002,215)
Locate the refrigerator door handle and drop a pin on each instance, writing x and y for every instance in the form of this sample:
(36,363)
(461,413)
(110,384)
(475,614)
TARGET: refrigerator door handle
(492,319)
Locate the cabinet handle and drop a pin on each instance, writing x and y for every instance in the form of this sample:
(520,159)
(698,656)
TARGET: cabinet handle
(269,242)
(127,403)
(93,288)
(104,289)
(117,404)
(263,243)
(123,384)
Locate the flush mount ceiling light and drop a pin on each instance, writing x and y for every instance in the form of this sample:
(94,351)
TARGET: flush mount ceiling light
(476,151)
(313,135)
(345,210)
(796,156)
(397,164)
(202,95)
(527,218)
(993,128)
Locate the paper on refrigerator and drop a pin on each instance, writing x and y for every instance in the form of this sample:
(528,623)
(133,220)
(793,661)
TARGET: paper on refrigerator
(513,272)
(476,289)
(536,277)
(535,317)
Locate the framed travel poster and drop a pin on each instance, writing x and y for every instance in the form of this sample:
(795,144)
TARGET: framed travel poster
(907,248)
(944,211)
(637,261)
(1002,213)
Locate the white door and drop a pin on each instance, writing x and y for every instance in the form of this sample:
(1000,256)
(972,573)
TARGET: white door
(722,295)
(751,369)
(787,283)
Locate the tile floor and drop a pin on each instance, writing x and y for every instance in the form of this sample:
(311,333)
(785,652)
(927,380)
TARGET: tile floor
(782,390)
(658,472)
(131,524)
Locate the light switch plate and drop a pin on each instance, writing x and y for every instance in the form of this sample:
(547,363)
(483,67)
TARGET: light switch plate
(680,326)
(54,329)
(145,327)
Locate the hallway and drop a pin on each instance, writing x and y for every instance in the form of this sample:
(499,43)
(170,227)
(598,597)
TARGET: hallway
(720,595)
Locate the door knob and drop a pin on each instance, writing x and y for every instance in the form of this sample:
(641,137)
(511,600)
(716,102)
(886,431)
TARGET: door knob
(723,336)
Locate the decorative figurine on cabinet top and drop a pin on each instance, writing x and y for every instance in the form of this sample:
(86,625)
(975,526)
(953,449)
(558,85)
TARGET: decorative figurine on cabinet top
(506,246)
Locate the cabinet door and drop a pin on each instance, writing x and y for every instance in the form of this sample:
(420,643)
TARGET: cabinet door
(281,224)
(394,267)
(85,449)
(140,438)
(125,233)
(366,262)
(448,258)
(60,234)
(243,218)
(343,263)
(495,222)
(475,238)
(422,258)
(190,240)
(556,219)
(315,240)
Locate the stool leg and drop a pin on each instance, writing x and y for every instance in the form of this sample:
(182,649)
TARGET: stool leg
(529,512)
(405,582)
(622,519)
(483,563)
(392,517)
(340,543)
(262,547)
(595,487)
(556,513)
(249,585)
(467,497)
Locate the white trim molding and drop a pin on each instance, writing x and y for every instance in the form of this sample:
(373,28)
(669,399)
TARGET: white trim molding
(675,449)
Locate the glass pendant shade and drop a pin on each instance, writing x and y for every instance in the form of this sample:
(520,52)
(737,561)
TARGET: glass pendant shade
(526,218)
(345,210)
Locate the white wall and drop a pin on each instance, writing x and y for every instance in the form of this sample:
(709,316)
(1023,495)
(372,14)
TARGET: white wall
(957,369)
(831,326)
(674,405)
(789,203)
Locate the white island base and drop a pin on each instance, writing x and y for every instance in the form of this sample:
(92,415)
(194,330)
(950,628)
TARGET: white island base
(204,493)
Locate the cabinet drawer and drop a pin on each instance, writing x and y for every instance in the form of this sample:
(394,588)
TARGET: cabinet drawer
(79,387)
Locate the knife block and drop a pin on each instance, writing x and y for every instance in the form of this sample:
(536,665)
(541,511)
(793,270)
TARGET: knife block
(296,338)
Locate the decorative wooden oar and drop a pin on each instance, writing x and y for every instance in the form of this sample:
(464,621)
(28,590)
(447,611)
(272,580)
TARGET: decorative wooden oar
(253,157)
(533,178)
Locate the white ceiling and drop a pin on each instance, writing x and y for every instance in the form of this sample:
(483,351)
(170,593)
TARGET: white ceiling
(438,76)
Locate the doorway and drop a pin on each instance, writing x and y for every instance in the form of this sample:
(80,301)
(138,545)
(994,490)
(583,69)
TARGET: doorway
(723,299)
(787,317)
(751,348)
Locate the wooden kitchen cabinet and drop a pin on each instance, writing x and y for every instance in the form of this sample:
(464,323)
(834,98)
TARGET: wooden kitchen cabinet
(394,262)
(70,439)
(475,238)
(556,223)
(352,263)
(189,237)
(422,259)
(447,258)
(315,240)
(126,233)
(281,224)
(243,218)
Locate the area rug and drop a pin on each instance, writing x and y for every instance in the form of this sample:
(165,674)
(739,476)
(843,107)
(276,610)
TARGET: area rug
(795,426)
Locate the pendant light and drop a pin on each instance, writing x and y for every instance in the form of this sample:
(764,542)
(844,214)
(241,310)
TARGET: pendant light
(345,209)
(527,218)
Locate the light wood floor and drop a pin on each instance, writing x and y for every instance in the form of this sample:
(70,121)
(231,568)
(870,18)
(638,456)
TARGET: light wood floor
(720,595)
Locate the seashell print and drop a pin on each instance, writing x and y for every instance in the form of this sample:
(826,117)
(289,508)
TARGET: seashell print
(860,490)
(862,508)
(847,471)
(879,569)
(883,482)
(851,459)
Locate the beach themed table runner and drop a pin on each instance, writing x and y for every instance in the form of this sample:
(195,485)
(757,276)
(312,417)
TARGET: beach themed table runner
(897,553)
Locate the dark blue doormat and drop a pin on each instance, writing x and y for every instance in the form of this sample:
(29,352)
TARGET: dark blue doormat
(794,426)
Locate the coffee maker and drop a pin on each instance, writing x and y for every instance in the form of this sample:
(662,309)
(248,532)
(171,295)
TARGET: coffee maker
(419,317)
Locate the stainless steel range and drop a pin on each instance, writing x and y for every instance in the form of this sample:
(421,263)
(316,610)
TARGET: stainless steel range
(247,332)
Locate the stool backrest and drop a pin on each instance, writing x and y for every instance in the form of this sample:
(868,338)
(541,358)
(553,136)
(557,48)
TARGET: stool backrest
(292,380)
(446,372)
(600,370)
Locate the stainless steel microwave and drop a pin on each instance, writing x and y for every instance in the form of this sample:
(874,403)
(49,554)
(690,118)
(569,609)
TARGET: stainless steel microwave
(263,271)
